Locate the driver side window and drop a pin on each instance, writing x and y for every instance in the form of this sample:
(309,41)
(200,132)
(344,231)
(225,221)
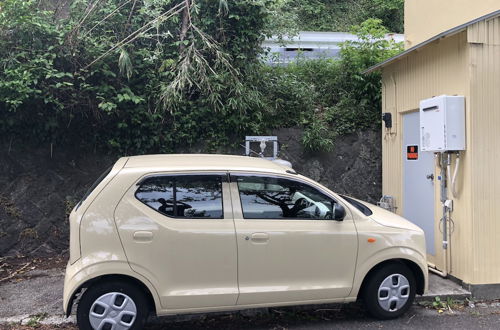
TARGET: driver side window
(279,198)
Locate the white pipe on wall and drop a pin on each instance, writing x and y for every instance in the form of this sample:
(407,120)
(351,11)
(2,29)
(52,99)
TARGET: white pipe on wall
(454,178)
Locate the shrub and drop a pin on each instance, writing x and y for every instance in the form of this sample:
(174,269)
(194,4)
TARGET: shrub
(92,80)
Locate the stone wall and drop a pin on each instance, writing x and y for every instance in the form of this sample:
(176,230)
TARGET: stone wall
(38,188)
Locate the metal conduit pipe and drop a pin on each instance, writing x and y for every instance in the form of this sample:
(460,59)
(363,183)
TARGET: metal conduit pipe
(444,198)
(444,164)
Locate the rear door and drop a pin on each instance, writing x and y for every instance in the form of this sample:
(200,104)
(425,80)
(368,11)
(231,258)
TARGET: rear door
(177,230)
(289,248)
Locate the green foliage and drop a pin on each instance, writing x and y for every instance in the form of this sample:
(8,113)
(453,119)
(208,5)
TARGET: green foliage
(318,136)
(336,15)
(360,93)
(157,76)
(92,78)
(335,96)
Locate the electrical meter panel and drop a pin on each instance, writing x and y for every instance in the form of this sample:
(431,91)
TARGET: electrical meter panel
(442,123)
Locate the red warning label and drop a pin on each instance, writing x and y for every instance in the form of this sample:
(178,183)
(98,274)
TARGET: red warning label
(412,152)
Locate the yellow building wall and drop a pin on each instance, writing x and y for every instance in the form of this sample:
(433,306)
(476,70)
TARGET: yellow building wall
(439,68)
(466,64)
(484,43)
(427,18)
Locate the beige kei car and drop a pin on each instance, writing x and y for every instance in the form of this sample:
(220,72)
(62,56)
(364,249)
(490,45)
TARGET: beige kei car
(174,234)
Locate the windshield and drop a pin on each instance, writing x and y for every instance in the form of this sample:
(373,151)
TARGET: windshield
(360,206)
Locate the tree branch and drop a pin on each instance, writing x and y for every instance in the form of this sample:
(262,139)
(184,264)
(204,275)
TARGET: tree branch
(186,22)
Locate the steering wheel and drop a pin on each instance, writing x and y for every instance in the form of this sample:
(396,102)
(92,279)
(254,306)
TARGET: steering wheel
(301,203)
(186,205)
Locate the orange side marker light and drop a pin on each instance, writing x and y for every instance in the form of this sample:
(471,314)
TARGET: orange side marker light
(371,240)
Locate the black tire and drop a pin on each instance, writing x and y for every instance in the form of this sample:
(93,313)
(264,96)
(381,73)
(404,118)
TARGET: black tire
(370,293)
(94,292)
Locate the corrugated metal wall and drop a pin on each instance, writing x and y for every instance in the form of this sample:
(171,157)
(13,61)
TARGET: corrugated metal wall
(439,68)
(484,43)
(466,64)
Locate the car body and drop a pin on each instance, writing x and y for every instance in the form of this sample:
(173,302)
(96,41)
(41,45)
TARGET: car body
(204,233)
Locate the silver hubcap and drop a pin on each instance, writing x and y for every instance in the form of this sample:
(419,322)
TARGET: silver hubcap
(394,292)
(112,311)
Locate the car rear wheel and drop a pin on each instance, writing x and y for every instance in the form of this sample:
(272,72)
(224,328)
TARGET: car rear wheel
(390,291)
(112,306)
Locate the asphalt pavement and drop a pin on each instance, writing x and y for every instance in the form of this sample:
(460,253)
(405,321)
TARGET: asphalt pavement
(36,298)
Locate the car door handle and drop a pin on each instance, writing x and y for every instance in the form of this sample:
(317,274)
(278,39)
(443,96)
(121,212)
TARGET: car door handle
(260,237)
(143,236)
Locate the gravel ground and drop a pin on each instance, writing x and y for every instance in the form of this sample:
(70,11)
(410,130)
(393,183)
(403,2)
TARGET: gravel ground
(34,299)
(39,291)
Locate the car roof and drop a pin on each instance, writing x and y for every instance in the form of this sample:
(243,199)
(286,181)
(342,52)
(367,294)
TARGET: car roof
(205,162)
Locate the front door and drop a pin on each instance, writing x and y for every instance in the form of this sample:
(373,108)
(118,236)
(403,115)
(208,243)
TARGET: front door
(289,247)
(418,180)
(177,231)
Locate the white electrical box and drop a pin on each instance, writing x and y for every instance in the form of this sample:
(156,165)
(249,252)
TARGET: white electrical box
(442,123)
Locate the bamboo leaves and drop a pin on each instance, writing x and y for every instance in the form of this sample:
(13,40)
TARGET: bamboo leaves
(124,63)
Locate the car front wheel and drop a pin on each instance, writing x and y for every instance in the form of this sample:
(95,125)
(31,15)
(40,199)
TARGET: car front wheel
(112,305)
(390,291)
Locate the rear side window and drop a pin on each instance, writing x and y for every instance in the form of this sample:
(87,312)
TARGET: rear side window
(183,196)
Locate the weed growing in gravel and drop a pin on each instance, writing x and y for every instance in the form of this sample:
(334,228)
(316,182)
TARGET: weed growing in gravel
(34,320)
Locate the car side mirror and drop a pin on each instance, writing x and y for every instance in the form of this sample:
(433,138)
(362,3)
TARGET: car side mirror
(338,212)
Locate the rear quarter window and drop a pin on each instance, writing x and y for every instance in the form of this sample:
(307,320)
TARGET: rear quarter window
(94,185)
